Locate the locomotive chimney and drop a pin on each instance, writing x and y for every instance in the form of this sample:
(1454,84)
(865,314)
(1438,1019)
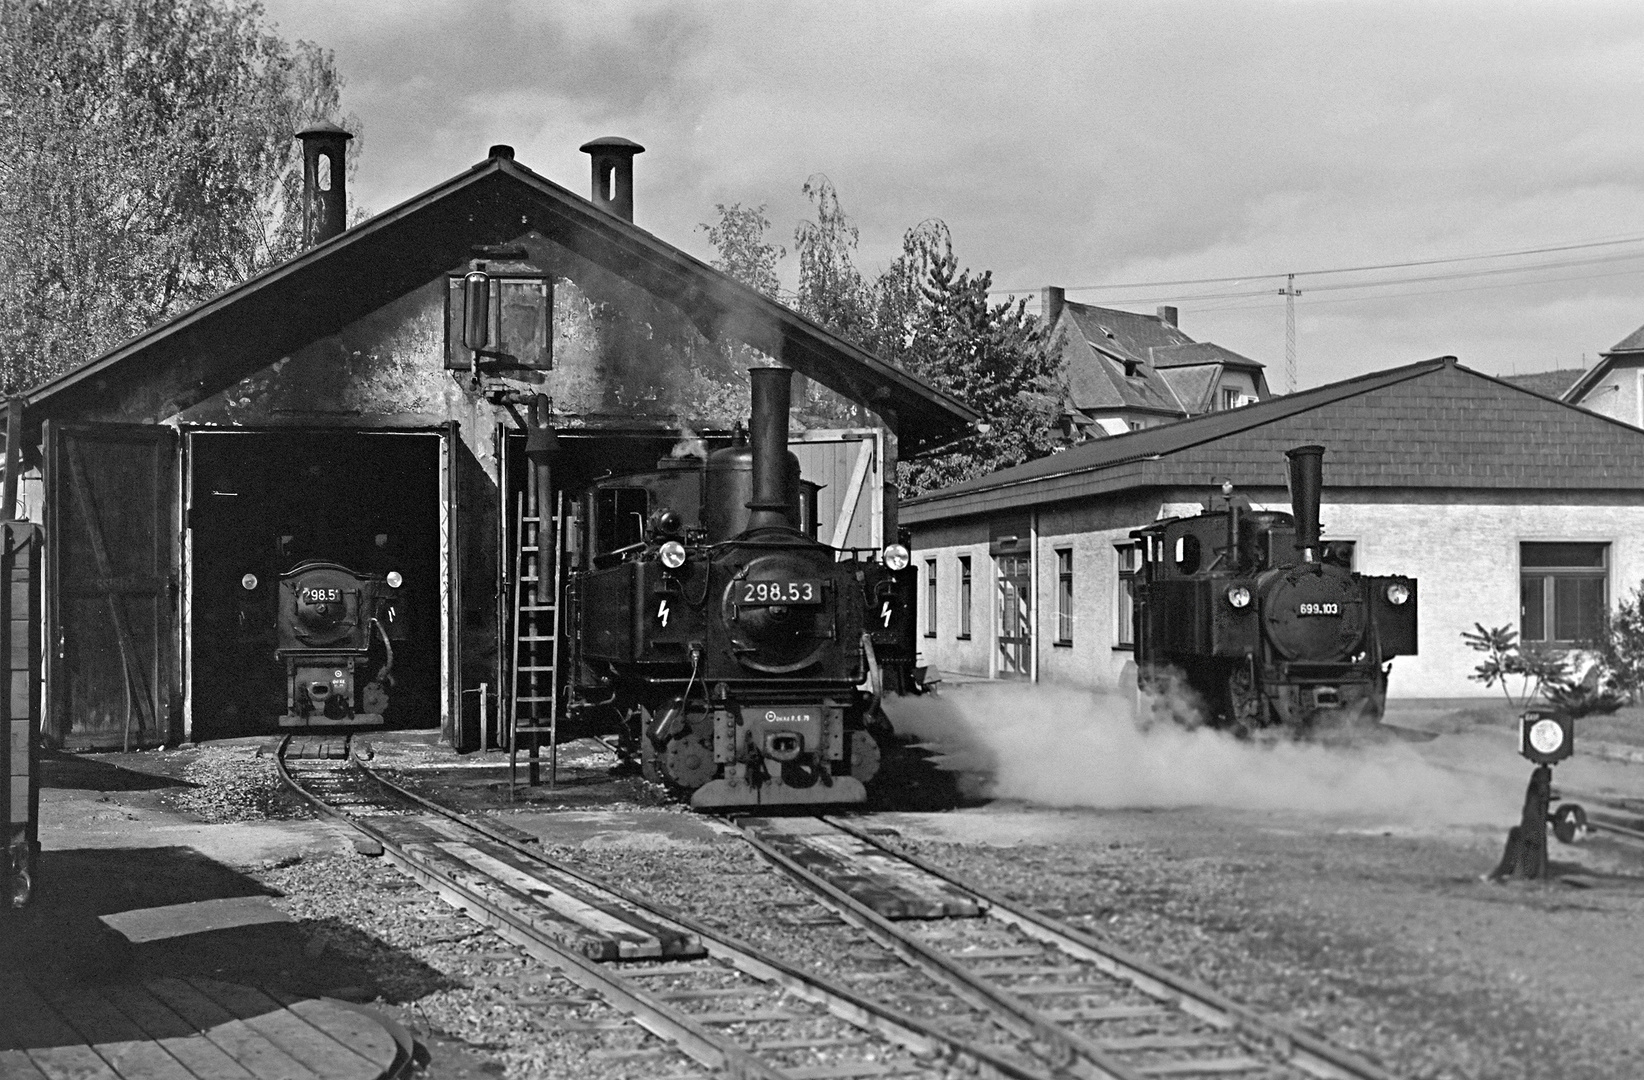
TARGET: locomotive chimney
(325,195)
(613,164)
(769,431)
(1306,488)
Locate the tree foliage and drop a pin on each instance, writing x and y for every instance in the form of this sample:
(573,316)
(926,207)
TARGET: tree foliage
(147,162)
(922,313)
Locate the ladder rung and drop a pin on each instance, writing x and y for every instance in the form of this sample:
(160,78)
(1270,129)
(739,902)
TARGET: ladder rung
(536,637)
(535,667)
(523,730)
(527,697)
(536,607)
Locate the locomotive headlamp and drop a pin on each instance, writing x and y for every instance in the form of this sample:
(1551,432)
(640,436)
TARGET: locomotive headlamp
(672,554)
(1545,738)
(249,582)
(897,557)
(394,579)
(1239,596)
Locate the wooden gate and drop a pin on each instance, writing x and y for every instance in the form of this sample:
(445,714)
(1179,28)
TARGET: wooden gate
(111,601)
(849,466)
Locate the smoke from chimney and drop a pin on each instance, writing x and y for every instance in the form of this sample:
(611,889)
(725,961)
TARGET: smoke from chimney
(613,167)
(325,190)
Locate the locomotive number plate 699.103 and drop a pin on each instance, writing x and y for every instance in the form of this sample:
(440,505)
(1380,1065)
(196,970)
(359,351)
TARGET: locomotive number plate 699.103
(787,591)
(1311,608)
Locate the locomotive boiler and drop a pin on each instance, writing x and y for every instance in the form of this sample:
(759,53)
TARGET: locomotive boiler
(1267,624)
(741,660)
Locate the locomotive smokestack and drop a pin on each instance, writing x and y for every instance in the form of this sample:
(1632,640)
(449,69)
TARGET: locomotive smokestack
(1306,488)
(325,194)
(769,431)
(613,164)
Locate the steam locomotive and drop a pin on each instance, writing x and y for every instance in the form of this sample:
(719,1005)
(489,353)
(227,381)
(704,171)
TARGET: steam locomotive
(1268,625)
(335,631)
(739,659)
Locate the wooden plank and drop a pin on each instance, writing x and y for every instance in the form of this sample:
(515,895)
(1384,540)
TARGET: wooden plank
(115,1038)
(30,1026)
(181,1039)
(328,1054)
(842,1071)
(1109,1012)
(260,1056)
(891,887)
(853,494)
(1161,1042)
(1212,1067)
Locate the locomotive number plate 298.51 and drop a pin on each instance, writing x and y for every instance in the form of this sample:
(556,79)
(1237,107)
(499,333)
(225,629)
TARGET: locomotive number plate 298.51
(1311,608)
(789,591)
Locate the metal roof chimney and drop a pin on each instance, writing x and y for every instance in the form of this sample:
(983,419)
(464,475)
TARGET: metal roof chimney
(613,162)
(325,192)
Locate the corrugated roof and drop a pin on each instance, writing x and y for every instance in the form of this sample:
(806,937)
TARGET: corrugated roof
(188,358)
(1433,424)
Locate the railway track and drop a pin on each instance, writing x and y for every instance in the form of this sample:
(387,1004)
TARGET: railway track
(1093,1009)
(724,1004)
(970,984)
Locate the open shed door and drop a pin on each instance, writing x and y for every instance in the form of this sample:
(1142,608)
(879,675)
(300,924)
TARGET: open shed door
(111,589)
(849,465)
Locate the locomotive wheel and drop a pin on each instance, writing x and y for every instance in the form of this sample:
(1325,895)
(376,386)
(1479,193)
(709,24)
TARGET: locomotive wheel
(864,756)
(689,760)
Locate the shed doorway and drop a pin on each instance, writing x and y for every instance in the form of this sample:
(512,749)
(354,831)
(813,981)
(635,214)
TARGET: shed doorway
(1015,616)
(259,503)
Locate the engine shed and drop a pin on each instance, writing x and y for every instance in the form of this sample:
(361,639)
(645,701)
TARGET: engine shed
(406,395)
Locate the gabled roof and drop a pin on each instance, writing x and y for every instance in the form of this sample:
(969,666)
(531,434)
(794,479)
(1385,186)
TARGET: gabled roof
(1114,342)
(1433,424)
(1546,383)
(213,346)
(1629,348)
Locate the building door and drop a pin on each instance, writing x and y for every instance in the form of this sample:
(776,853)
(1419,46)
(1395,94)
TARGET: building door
(1015,616)
(111,593)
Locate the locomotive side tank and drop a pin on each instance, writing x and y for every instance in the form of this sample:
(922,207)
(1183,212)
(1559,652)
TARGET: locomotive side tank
(1268,624)
(733,650)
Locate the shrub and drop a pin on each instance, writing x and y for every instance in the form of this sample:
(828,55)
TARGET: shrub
(1535,666)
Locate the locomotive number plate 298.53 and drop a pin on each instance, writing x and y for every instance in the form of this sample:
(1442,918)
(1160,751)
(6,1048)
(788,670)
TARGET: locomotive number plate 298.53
(1318,609)
(801,591)
(319,596)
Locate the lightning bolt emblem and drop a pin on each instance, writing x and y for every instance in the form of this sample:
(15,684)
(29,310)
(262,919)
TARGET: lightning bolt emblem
(885,614)
(662,612)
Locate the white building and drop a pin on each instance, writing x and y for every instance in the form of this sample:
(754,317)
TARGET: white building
(1509,507)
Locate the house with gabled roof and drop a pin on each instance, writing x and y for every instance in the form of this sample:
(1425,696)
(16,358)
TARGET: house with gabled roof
(388,373)
(1124,371)
(1506,505)
(1615,385)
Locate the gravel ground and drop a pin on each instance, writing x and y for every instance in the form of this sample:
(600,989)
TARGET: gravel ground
(1383,940)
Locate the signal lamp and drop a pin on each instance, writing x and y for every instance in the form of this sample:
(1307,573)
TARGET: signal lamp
(249,582)
(1239,596)
(1398,593)
(1545,738)
(394,579)
(897,557)
(672,554)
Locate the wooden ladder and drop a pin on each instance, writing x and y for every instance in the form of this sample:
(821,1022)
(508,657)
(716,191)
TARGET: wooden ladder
(533,709)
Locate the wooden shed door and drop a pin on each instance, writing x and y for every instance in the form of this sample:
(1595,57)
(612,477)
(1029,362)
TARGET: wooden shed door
(848,465)
(111,537)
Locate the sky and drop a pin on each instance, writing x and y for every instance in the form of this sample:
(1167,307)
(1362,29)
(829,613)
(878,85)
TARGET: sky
(1087,145)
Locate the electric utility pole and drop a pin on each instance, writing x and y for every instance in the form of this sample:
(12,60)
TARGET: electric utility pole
(1289,293)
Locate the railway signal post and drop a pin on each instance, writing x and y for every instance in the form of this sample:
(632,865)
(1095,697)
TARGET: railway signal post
(1546,739)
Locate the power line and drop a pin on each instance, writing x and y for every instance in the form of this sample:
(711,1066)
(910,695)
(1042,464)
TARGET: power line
(1548,250)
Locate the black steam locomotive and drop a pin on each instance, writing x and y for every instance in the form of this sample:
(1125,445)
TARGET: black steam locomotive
(335,632)
(741,660)
(1267,625)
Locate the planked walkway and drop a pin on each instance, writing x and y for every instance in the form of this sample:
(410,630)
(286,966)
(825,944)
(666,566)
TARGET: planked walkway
(186,1029)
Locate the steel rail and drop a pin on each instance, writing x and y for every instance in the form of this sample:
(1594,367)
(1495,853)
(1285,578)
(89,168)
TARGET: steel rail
(918,1036)
(703,1045)
(1305,1051)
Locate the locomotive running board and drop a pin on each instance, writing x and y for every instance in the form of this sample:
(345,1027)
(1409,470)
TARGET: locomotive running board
(723,795)
(357,720)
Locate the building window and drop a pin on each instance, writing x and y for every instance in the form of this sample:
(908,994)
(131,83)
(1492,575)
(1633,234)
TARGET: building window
(1129,558)
(964,597)
(1064,596)
(1231,398)
(1563,592)
(930,597)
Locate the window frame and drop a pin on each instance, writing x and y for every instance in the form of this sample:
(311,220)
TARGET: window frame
(930,598)
(1064,598)
(1128,564)
(1547,579)
(966,593)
